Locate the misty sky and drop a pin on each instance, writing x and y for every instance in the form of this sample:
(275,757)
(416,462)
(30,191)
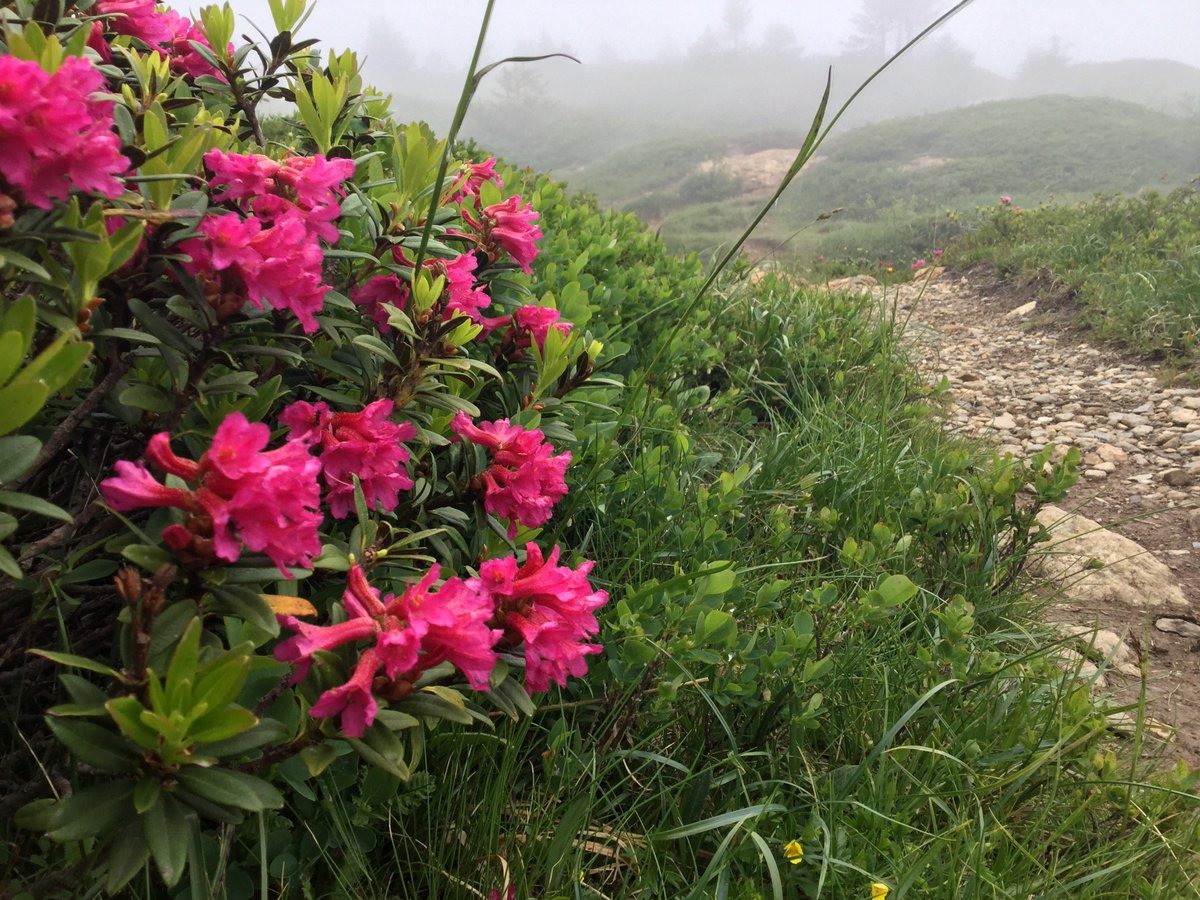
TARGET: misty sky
(999,33)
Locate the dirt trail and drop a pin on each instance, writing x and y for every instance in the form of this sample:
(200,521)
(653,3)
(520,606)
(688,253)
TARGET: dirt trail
(1024,377)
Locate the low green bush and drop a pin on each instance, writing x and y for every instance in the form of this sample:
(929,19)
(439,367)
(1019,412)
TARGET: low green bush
(1132,262)
(817,671)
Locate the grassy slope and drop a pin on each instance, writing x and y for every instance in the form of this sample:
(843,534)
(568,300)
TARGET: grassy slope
(1035,150)
(1134,264)
(932,748)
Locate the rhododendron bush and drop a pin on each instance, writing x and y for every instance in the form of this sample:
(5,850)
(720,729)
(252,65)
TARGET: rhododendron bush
(281,427)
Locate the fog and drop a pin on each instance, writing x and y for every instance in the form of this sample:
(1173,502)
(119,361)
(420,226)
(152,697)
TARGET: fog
(724,66)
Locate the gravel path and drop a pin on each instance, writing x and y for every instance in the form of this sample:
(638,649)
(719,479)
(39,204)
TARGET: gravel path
(1024,377)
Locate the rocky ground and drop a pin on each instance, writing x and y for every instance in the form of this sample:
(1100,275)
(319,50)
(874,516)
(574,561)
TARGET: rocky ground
(1025,376)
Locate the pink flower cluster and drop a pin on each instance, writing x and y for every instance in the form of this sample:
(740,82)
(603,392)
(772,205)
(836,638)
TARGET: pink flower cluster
(421,628)
(365,443)
(243,495)
(269,250)
(54,135)
(508,228)
(524,479)
(535,322)
(472,177)
(165,31)
(463,296)
(548,608)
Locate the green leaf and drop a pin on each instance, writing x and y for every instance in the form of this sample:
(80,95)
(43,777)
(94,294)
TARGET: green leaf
(317,758)
(246,604)
(12,352)
(79,662)
(56,365)
(147,556)
(896,589)
(127,713)
(167,826)
(30,503)
(168,629)
(92,570)
(21,317)
(93,744)
(8,565)
(23,262)
(93,810)
(733,817)
(267,731)
(181,674)
(144,396)
(37,815)
(160,327)
(20,402)
(17,454)
(221,724)
(220,680)
(228,788)
(377,759)
(146,794)
(126,856)
(719,627)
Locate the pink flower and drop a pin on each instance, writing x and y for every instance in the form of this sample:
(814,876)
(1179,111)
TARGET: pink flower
(411,633)
(353,699)
(1006,200)
(454,622)
(919,264)
(510,226)
(365,443)
(136,18)
(277,266)
(472,178)
(244,495)
(465,299)
(525,479)
(242,175)
(54,137)
(535,322)
(937,253)
(133,487)
(547,607)
(185,58)
(376,291)
(314,182)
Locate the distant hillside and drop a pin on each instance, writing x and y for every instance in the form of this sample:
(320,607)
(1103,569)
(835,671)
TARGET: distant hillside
(895,180)
(1160,84)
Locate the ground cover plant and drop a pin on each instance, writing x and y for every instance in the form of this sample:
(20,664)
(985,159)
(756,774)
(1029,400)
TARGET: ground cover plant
(381,520)
(1133,263)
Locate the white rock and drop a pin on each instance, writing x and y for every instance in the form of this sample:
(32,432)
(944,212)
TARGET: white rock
(1094,565)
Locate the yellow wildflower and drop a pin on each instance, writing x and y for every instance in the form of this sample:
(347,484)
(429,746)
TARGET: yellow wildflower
(794,853)
(879,890)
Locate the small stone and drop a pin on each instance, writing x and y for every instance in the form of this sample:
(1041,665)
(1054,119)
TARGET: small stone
(1003,422)
(1178,477)
(1178,626)
(1095,474)
(1111,453)
(1023,310)
(1181,415)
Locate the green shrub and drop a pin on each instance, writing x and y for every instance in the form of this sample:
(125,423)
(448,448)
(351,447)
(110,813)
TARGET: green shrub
(1133,263)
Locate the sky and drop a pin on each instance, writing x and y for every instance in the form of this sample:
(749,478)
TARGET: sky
(998,33)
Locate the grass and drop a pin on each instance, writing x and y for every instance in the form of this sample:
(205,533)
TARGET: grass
(933,747)
(1132,263)
(905,186)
